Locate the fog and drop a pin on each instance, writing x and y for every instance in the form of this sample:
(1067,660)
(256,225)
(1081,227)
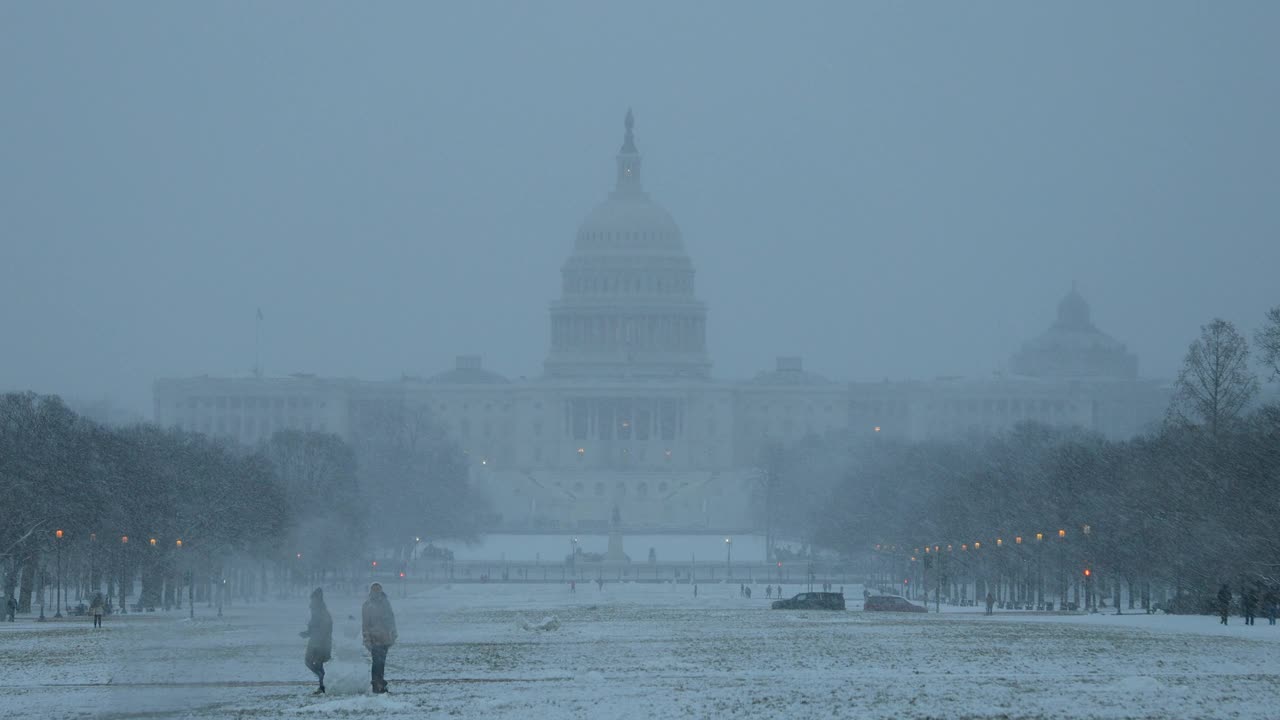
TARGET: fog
(888,190)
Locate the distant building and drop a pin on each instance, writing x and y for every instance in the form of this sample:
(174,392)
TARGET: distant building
(626,413)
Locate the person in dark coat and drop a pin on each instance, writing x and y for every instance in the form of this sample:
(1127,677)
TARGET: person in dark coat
(379,629)
(1248,603)
(1224,603)
(991,603)
(96,608)
(11,607)
(1269,603)
(319,635)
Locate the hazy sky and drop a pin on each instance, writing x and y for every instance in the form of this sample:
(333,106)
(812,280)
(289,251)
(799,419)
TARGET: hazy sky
(888,189)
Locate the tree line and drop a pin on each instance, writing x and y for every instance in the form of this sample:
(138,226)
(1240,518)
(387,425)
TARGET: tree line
(1189,505)
(161,510)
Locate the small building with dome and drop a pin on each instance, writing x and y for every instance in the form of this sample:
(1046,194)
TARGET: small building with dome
(627,412)
(1074,348)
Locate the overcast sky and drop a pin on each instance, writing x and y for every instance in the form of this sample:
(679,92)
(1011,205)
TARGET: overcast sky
(897,190)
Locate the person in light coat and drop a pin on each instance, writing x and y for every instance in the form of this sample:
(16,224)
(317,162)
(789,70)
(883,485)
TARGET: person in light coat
(379,630)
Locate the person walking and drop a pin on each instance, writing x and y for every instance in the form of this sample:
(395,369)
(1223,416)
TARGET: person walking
(379,631)
(1269,603)
(319,635)
(1224,603)
(1248,603)
(11,607)
(96,608)
(991,603)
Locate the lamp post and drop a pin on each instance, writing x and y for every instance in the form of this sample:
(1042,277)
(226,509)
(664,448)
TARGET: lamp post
(1062,567)
(1090,602)
(57,544)
(191,586)
(152,564)
(1040,570)
(728,558)
(124,574)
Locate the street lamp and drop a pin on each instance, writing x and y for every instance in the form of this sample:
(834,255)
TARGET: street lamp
(728,558)
(57,544)
(124,571)
(191,587)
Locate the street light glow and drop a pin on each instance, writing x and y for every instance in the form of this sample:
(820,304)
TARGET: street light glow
(57,534)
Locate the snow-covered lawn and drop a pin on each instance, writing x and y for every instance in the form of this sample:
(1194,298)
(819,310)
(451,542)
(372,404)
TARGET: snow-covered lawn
(641,651)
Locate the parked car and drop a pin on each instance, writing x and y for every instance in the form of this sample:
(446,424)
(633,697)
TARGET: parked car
(891,603)
(812,601)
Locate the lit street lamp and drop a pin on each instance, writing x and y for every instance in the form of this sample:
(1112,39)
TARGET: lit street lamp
(57,544)
(191,588)
(728,558)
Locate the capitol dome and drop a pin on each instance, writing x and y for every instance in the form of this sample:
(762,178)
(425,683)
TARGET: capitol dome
(1074,348)
(627,305)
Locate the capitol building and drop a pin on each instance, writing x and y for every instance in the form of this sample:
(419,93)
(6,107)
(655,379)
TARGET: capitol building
(627,412)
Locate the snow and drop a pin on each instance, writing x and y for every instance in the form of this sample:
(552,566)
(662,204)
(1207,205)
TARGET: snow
(641,651)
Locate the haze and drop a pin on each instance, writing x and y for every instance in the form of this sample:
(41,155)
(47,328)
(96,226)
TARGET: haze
(888,190)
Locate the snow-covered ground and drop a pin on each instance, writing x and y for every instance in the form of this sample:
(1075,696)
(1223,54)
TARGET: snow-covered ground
(642,651)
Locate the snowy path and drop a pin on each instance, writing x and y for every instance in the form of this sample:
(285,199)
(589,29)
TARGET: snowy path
(643,651)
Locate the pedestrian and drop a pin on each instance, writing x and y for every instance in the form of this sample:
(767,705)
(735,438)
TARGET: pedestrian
(379,631)
(1269,603)
(319,635)
(991,603)
(748,591)
(695,591)
(1248,603)
(768,591)
(573,586)
(11,607)
(1224,603)
(95,609)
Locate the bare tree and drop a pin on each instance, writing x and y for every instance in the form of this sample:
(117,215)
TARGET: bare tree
(1215,383)
(1268,342)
